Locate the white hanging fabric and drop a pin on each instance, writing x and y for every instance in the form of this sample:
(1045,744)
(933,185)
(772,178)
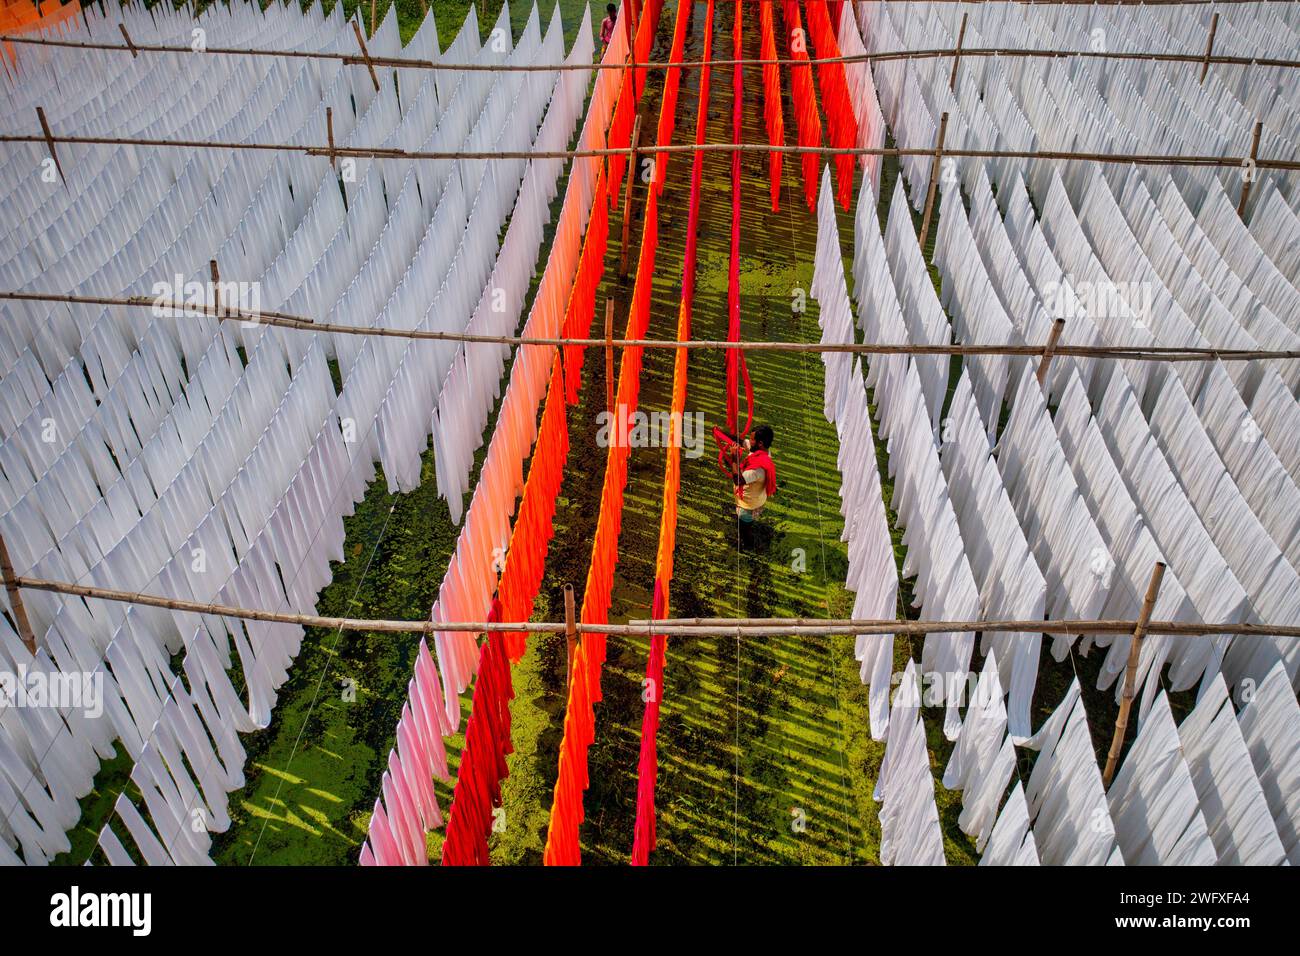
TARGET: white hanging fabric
(872,574)
(1231,799)
(1158,821)
(1058,526)
(1067,803)
(977,313)
(909,818)
(1012,842)
(1136,554)
(1011,586)
(1270,725)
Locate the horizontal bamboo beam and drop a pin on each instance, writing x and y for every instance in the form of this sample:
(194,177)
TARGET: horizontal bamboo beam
(360,152)
(679,627)
(1155,353)
(415,63)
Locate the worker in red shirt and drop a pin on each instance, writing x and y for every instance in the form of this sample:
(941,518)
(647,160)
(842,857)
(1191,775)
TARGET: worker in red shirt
(607,26)
(753,474)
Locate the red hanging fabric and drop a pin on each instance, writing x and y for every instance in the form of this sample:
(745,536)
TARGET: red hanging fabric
(772,100)
(672,83)
(582,299)
(647,771)
(735,359)
(648,764)
(805,99)
(835,98)
(483,761)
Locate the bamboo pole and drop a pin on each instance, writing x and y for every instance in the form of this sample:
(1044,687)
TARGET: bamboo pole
(1128,159)
(16,605)
(956,56)
(372,17)
(49,142)
(286,320)
(1050,349)
(570,634)
(415,63)
(934,179)
(1250,171)
(1130,673)
(609,356)
(1209,46)
(682,627)
(365,54)
(627,195)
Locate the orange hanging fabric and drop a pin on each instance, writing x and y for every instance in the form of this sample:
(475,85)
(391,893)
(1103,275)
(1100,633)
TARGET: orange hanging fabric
(530,538)
(835,98)
(629,93)
(805,99)
(772,100)
(562,847)
(582,300)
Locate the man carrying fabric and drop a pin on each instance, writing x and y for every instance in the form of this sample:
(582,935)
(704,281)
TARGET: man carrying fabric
(753,474)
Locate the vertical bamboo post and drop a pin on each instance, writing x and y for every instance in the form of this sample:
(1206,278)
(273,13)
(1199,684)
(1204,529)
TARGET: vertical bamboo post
(627,193)
(934,179)
(570,634)
(365,54)
(329,135)
(609,355)
(956,57)
(372,17)
(1052,338)
(1250,170)
(16,599)
(1130,673)
(216,289)
(1209,46)
(49,142)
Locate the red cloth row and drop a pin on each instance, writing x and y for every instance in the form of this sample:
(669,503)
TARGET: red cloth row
(672,83)
(735,362)
(629,93)
(648,764)
(835,98)
(483,760)
(772,100)
(600,574)
(805,99)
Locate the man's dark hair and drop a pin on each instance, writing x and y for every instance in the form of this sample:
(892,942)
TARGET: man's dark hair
(611,9)
(763,435)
